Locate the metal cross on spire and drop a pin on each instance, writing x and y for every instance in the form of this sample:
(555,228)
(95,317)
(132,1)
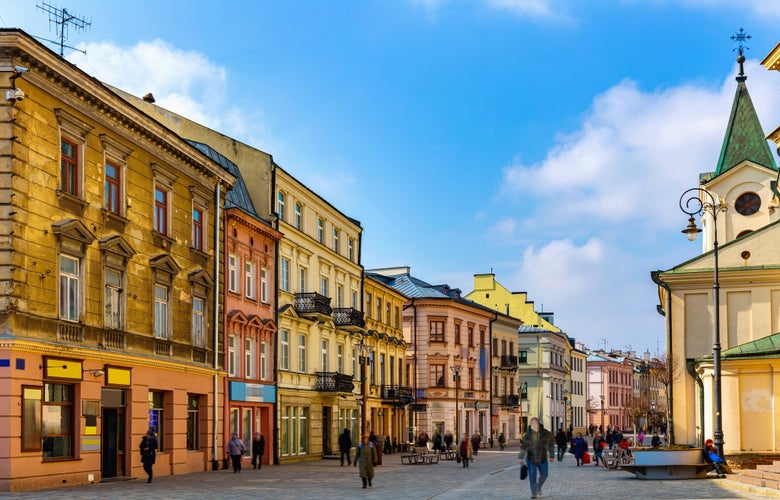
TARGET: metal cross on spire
(741,37)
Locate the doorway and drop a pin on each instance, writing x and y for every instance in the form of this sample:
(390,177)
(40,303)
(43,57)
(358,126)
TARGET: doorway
(326,449)
(113,460)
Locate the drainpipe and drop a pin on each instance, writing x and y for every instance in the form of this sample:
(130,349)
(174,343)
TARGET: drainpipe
(690,365)
(277,403)
(414,381)
(667,313)
(490,374)
(217,252)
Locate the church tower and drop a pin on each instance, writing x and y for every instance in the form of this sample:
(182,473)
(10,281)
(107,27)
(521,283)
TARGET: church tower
(745,171)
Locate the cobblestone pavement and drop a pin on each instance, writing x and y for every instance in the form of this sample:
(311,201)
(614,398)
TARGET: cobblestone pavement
(494,474)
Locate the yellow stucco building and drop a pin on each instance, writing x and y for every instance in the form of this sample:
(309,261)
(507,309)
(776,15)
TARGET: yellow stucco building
(109,307)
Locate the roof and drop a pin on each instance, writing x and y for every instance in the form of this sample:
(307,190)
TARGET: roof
(765,347)
(745,139)
(238,195)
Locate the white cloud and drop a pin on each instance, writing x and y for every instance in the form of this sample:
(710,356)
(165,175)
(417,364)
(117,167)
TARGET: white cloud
(185,82)
(503,229)
(636,151)
(534,9)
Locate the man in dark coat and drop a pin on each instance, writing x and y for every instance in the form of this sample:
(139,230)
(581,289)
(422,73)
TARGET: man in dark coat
(536,446)
(345,445)
(561,441)
(148,453)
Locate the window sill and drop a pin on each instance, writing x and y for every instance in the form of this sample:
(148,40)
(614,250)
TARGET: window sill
(199,255)
(71,203)
(162,241)
(114,221)
(60,459)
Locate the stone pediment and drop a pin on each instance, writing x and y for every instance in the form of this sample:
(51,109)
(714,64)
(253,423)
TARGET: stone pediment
(116,248)
(202,278)
(73,235)
(164,263)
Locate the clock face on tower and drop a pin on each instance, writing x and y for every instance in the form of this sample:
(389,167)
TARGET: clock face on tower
(747,203)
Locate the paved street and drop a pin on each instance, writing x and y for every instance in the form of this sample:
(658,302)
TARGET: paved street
(493,475)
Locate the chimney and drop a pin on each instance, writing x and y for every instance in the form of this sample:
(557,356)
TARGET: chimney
(149,98)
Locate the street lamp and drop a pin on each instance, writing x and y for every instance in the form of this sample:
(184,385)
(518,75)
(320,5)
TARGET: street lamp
(456,378)
(694,205)
(363,358)
(603,427)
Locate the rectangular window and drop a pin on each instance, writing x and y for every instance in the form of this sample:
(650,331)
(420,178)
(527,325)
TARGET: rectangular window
(524,390)
(353,299)
(264,366)
(112,308)
(302,279)
(437,376)
(302,353)
(250,279)
(233,285)
(284,278)
(250,358)
(193,421)
(294,430)
(285,350)
(381,369)
(57,419)
(368,305)
(157,417)
(198,323)
(197,229)
(437,331)
(324,360)
(378,309)
(523,357)
(350,250)
(280,206)
(161,312)
(471,337)
(495,346)
(471,378)
(32,398)
(264,296)
(387,312)
(354,364)
(113,192)
(336,240)
(339,296)
(324,287)
(298,217)
(397,317)
(340,358)
(69,167)
(320,232)
(69,288)
(457,333)
(391,370)
(232,368)
(161,210)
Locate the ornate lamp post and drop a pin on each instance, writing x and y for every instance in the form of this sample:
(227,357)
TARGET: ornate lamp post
(603,427)
(456,378)
(699,201)
(363,358)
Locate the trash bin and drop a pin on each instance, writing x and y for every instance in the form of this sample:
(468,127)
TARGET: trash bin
(379,446)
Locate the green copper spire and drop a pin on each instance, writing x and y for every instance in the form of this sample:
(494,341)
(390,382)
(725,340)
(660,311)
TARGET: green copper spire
(745,139)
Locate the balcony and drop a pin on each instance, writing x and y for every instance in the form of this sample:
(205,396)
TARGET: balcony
(312,303)
(348,317)
(400,395)
(70,332)
(510,400)
(334,382)
(508,362)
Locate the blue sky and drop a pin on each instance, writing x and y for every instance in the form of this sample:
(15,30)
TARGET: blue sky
(547,141)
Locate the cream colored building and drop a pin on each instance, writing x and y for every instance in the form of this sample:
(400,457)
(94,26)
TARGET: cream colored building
(505,390)
(749,288)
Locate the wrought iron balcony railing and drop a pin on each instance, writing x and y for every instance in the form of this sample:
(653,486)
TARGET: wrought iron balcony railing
(508,361)
(312,303)
(334,382)
(511,400)
(400,394)
(348,316)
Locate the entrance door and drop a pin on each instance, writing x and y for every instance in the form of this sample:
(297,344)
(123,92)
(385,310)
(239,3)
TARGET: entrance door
(326,449)
(113,453)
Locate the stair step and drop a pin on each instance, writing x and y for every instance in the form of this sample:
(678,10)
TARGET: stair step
(769,468)
(760,474)
(742,477)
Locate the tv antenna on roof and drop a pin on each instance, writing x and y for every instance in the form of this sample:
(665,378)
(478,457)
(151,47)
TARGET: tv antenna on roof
(63,19)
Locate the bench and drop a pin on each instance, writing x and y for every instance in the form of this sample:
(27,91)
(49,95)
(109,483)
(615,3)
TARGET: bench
(420,455)
(448,454)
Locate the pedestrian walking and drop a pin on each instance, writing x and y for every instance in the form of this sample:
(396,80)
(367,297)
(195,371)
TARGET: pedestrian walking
(536,446)
(448,439)
(365,457)
(465,450)
(580,447)
(598,448)
(475,440)
(148,453)
(258,448)
(561,441)
(236,449)
(437,441)
(501,440)
(345,446)
(387,446)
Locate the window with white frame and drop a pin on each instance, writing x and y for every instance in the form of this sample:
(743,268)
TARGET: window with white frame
(350,250)
(324,287)
(264,297)
(284,351)
(233,281)
(302,353)
(354,363)
(250,358)
(198,322)
(198,228)
(250,279)
(298,217)
(354,299)
(70,288)
(113,306)
(320,231)
(284,275)
(340,358)
(264,367)
(335,240)
(324,360)
(301,279)
(162,204)
(232,358)
(161,312)
(280,205)
(339,296)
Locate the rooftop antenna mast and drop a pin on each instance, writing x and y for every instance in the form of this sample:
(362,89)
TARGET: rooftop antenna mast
(62,19)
